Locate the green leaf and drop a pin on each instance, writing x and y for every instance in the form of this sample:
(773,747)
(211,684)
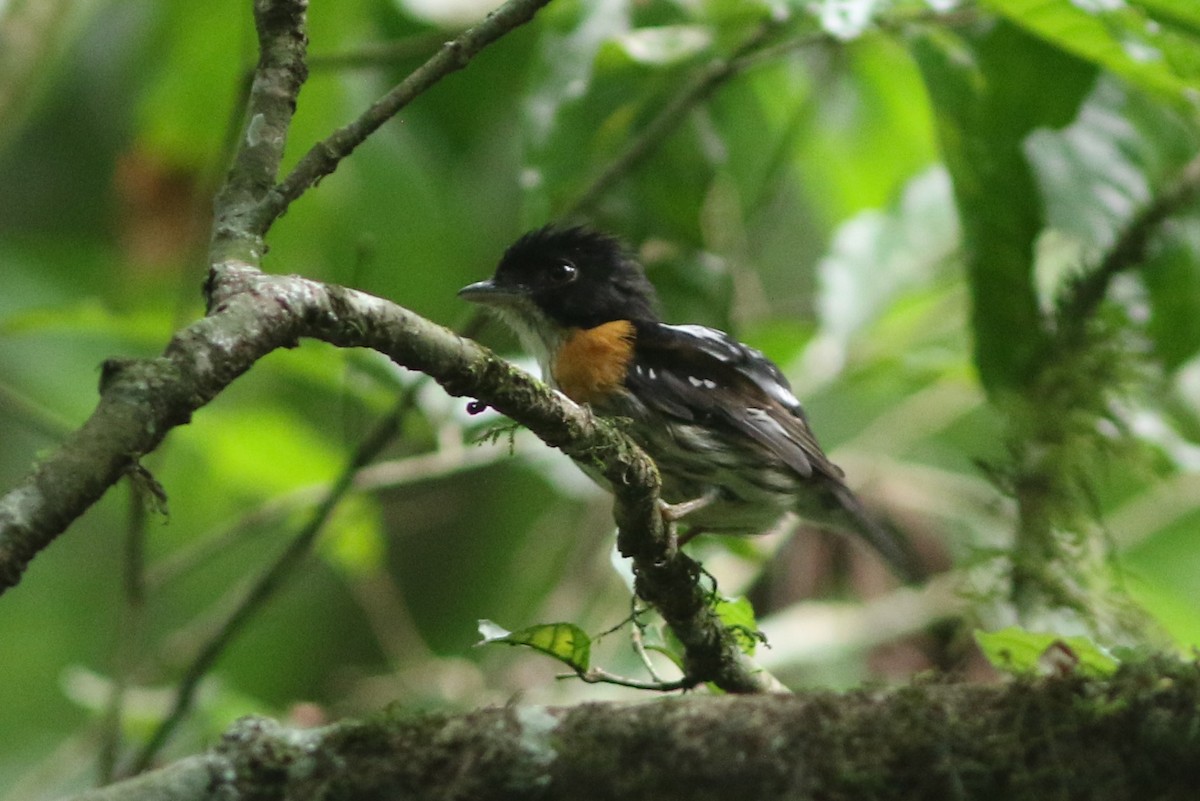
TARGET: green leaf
(1096,175)
(1090,173)
(566,642)
(873,114)
(1015,650)
(254,450)
(1118,40)
(738,616)
(1182,14)
(563,119)
(91,317)
(980,87)
(183,111)
(1172,276)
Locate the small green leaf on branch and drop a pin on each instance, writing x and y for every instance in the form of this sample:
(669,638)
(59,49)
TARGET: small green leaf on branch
(566,642)
(1019,652)
(738,616)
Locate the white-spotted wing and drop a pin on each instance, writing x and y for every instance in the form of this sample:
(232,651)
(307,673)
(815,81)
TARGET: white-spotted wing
(703,375)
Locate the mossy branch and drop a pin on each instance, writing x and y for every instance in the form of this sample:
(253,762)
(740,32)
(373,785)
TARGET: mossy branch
(1132,736)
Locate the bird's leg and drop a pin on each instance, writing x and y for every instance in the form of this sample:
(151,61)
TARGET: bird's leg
(672,512)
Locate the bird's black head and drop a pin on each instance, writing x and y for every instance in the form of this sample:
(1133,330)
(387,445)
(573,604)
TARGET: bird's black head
(569,277)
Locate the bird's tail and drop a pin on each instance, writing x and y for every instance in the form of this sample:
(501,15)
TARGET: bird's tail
(893,546)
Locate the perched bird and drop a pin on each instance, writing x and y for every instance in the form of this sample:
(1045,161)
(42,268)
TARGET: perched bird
(732,444)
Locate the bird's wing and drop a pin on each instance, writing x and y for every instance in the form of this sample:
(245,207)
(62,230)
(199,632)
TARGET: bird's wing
(700,374)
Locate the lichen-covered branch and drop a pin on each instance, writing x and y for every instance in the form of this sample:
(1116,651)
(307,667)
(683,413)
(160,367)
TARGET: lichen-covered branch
(281,70)
(251,315)
(1132,736)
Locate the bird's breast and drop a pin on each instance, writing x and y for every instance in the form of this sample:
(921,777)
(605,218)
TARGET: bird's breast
(591,362)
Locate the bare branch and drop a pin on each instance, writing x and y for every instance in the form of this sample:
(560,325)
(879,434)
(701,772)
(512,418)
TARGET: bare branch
(281,71)
(601,676)
(381,54)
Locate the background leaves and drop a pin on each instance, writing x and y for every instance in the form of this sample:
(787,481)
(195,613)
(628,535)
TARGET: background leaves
(890,208)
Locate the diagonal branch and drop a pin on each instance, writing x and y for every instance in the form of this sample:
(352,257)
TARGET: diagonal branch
(324,157)
(699,88)
(252,315)
(1129,251)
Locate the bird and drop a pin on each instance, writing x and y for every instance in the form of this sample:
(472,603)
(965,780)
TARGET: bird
(733,445)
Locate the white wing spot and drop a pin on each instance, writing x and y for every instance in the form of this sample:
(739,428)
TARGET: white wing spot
(781,394)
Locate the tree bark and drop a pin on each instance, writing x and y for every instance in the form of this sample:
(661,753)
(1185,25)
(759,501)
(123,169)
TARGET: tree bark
(1134,736)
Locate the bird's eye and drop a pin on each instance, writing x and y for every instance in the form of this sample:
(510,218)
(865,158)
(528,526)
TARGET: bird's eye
(562,272)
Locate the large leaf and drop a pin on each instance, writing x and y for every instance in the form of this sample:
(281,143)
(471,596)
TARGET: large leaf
(1114,37)
(737,614)
(981,85)
(1181,14)
(565,120)
(1172,276)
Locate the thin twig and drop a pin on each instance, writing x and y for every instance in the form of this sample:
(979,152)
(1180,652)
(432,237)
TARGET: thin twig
(637,640)
(703,84)
(378,476)
(35,415)
(749,55)
(382,54)
(324,157)
(601,676)
(272,579)
(130,625)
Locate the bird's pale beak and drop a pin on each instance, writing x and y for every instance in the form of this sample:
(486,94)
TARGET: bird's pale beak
(489,293)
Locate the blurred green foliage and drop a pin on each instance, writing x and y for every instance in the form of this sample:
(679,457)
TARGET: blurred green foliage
(887,198)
